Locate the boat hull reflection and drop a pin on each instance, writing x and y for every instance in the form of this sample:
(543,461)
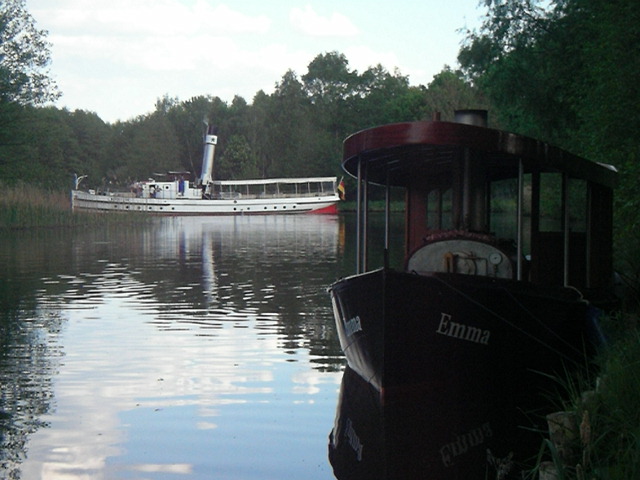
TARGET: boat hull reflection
(420,438)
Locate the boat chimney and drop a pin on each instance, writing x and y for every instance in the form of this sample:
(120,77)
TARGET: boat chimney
(210,141)
(478,118)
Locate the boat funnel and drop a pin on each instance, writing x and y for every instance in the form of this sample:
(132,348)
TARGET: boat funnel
(478,118)
(210,141)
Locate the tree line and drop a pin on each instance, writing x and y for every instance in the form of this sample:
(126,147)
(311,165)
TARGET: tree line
(295,131)
(564,71)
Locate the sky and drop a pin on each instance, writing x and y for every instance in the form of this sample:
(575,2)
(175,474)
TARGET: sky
(118,57)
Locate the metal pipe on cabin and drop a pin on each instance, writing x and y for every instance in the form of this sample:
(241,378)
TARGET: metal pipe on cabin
(589,233)
(365,222)
(359,219)
(520,226)
(565,220)
(465,190)
(439,208)
(387,215)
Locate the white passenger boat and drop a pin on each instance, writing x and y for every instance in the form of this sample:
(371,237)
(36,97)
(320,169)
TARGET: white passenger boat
(178,196)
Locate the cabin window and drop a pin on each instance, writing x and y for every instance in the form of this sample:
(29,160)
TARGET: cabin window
(577,205)
(503,210)
(551,203)
(439,211)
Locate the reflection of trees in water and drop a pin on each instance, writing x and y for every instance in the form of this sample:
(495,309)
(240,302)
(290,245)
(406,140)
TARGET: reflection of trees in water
(27,365)
(275,278)
(28,349)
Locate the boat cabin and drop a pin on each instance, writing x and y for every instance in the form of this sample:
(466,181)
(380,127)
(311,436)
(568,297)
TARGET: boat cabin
(273,188)
(485,202)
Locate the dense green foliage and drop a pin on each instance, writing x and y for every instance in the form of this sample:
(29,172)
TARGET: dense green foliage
(295,131)
(567,73)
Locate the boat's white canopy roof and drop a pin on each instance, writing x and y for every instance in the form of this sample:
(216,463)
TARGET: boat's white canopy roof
(270,181)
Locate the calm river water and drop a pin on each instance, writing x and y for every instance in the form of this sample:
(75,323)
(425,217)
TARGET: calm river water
(186,348)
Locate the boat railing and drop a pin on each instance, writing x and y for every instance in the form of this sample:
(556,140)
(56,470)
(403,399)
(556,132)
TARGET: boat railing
(267,195)
(273,188)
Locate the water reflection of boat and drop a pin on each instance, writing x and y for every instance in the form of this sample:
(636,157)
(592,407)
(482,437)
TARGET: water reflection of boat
(476,313)
(189,261)
(427,437)
(220,197)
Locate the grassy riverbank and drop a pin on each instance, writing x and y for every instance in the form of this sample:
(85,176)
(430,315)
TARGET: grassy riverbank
(604,407)
(24,207)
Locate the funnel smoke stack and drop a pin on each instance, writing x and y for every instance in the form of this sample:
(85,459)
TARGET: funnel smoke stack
(210,141)
(478,118)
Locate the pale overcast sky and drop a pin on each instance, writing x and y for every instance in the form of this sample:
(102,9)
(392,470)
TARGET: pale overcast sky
(117,57)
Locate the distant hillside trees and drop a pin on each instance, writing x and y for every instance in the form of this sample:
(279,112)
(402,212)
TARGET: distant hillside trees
(295,131)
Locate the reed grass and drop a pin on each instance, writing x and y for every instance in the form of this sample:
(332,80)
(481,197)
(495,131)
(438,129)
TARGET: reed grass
(24,206)
(607,409)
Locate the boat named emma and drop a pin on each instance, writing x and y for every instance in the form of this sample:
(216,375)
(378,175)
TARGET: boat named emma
(215,197)
(508,260)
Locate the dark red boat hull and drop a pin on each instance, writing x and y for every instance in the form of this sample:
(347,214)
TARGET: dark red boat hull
(474,354)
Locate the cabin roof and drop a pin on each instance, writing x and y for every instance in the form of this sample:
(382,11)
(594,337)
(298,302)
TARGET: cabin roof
(409,151)
(271,181)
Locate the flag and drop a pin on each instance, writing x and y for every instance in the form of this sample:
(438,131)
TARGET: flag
(341,190)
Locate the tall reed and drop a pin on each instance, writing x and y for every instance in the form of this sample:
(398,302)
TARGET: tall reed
(24,206)
(607,411)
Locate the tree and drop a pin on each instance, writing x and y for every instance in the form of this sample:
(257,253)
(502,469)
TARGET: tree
(378,99)
(328,78)
(24,82)
(290,127)
(24,58)
(568,74)
(525,59)
(238,161)
(450,91)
